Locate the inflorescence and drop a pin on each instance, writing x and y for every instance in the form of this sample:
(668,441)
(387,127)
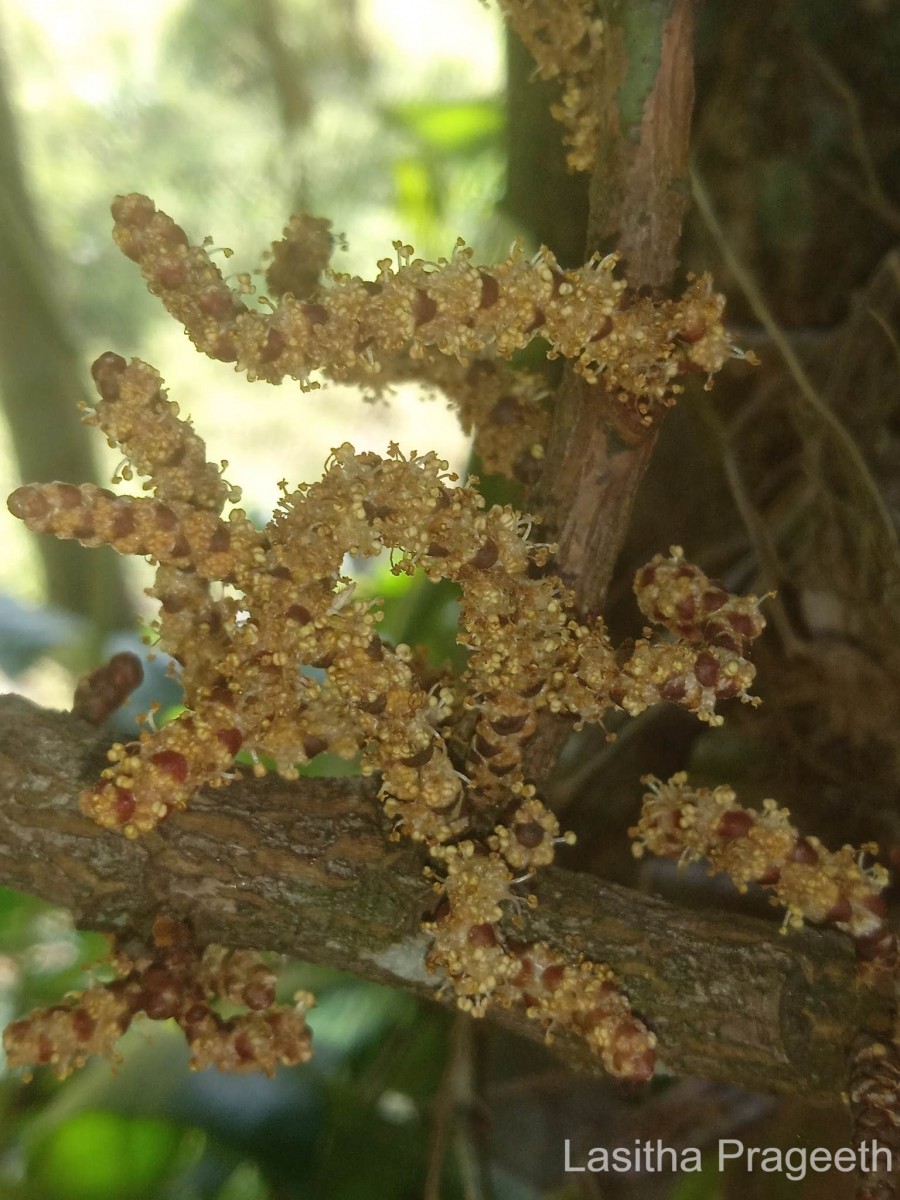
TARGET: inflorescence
(279,660)
(564,38)
(762,847)
(368,331)
(173,981)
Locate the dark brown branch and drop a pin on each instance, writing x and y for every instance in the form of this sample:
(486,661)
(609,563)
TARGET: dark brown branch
(305,869)
(645,96)
(596,457)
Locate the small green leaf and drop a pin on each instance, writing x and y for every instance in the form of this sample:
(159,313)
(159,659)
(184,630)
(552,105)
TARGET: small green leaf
(448,127)
(103,1156)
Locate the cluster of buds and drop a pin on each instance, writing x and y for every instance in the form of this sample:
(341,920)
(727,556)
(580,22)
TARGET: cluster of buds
(283,663)
(872,1090)
(676,594)
(564,39)
(101,691)
(300,256)
(715,630)
(178,982)
(763,848)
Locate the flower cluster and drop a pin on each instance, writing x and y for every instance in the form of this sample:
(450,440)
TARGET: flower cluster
(763,847)
(872,1089)
(241,655)
(177,982)
(242,685)
(486,968)
(354,329)
(283,663)
(501,406)
(564,40)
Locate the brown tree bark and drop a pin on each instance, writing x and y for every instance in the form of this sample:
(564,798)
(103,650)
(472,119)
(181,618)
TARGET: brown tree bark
(597,456)
(306,869)
(639,193)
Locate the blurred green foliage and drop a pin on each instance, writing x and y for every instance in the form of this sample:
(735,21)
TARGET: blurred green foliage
(707,1185)
(96,1155)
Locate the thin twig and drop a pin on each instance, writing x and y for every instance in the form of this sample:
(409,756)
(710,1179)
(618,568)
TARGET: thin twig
(888,332)
(757,531)
(455,1106)
(884,210)
(804,384)
(841,88)
(441,1127)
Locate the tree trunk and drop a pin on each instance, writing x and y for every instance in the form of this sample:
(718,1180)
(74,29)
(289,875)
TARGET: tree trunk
(306,869)
(40,383)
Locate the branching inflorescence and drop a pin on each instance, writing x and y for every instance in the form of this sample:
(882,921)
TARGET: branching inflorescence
(366,330)
(279,660)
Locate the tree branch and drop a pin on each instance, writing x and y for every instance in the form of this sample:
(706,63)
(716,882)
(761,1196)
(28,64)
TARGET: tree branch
(596,456)
(305,869)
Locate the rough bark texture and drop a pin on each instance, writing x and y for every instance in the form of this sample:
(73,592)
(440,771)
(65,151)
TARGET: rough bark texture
(640,190)
(305,869)
(596,458)
(639,195)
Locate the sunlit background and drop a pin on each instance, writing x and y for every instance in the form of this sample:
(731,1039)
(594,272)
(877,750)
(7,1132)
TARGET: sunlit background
(388,121)
(386,116)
